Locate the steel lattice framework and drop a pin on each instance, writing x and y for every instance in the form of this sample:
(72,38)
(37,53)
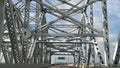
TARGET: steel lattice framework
(31,31)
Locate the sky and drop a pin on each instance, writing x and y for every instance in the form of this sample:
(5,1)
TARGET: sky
(114,16)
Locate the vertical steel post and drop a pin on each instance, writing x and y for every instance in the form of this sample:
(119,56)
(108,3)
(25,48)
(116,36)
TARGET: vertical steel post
(91,38)
(26,25)
(105,31)
(2,3)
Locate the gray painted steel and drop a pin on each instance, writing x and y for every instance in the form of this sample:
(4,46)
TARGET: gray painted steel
(34,28)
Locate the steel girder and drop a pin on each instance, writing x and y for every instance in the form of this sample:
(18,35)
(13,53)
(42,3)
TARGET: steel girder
(106,33)
(1,25)
(9,12)
(29,44)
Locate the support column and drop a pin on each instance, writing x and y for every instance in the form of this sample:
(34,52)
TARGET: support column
(105,31)
(91,46)
(74,65)
(1,19)
(11,29)
(26,23)
(46,56)
(5,54)
(1,26)
(2,10)
(50,54)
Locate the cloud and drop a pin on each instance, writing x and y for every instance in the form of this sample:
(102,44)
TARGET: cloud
(98,23)
(114,15)
(114,6)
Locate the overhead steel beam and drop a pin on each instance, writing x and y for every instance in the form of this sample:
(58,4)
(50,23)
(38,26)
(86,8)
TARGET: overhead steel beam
(58,48)
(64,26)
(67,16)
(62,54)
(76,38)
(65,51)
(84,42)
(68,43)
(86,5)
(71,35)
(48,17)
(63,31)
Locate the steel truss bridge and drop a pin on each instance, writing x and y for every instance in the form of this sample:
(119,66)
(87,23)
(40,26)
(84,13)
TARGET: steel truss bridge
(31,31)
